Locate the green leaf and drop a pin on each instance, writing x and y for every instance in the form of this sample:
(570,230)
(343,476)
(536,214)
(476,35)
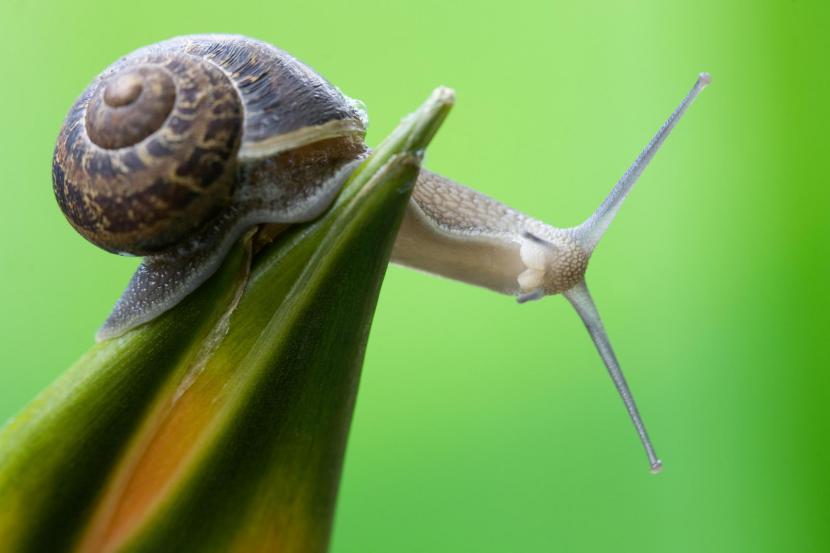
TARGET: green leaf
(220,426)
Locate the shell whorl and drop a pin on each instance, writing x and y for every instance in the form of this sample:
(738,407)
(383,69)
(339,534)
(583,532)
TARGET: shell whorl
(130,106)
(152,149)
(148,152)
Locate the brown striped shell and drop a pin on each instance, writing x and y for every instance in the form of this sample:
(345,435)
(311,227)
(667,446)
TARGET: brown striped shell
(157,145)
(178,148)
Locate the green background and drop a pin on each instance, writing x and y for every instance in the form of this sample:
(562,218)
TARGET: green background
(482,425)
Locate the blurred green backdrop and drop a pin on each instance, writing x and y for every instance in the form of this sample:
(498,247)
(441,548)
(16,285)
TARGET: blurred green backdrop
(482,425)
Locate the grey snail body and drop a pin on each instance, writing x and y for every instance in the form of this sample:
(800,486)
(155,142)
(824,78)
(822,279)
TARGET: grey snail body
(177,149)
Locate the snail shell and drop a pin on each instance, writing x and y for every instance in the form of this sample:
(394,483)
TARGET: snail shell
(178,148)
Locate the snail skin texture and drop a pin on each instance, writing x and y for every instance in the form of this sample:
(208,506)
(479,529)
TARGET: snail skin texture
(177,149)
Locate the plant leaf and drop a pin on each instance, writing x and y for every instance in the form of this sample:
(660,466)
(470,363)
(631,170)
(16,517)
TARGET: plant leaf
(220,426)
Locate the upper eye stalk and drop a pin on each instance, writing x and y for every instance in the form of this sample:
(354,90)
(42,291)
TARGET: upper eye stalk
(585,238)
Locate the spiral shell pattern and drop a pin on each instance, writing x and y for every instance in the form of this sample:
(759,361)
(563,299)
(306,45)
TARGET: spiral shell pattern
(152,150)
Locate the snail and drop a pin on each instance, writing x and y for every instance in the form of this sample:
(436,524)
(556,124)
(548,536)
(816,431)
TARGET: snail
(177,149)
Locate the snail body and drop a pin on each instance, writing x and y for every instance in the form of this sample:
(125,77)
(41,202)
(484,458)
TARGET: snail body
(177,149)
